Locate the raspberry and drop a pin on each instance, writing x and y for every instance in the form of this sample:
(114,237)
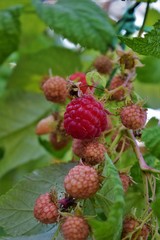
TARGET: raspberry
(75,228)
(78,147)
(82,182)
(126,181)
(103,64)
(133,116)
(55,89)
(81,78)
(117,81)
(93,153)
(130,224)
(128,60)
(45,210)
(85,118)
(45,125)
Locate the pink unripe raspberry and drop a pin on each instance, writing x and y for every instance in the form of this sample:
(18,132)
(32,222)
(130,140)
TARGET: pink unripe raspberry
(93,153)
(130,224)
(82,182)
(78,147)
(46,125)
(116,82)
(55,89)
(133,116)
(85,118)
(126,181)
(45,210)
(103,64)
(75,228)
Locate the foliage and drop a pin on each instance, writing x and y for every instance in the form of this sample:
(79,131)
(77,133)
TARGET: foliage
(148,45)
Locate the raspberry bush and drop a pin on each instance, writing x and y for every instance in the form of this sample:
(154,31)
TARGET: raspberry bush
(78,117)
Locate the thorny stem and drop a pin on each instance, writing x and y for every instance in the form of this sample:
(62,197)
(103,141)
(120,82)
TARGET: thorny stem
(144,20)
(142,163)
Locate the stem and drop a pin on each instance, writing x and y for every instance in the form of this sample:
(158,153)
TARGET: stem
(115,141)
(111,76)
(121,151)
(144,20)
(142,163)
(146,192)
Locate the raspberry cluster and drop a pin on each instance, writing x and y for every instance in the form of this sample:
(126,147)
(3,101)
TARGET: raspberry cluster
(84,119)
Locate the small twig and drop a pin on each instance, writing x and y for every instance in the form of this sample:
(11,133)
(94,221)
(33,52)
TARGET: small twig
(144,20)
(146,192)
(121,151)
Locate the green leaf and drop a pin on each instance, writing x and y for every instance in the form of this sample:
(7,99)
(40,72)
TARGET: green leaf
(9,31)
(81,22)
(149,45)
(156,208)
(146,0)
(18,116)
(111,228)
(10,3)
(47,236)
(150,72)
(151,139)
(152,122)
(149,90)
(32,67)
(16,207)
(152,17)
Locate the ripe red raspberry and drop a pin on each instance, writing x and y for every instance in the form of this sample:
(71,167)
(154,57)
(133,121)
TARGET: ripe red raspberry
(80,78)
(75,228)
(85,118)
(82,182)
(55,89)
(133,116)
(103,64)
(130,224)
(93,153)
(126,181)
(117,81)
(45,210)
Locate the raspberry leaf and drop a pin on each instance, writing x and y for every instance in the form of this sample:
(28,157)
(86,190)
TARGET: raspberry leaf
(47,236)
(18,116)
(111,228)
(16,206)
(149,45)
(156,205)
(81,22)
(9,31)
(31,67)
(151,139)
(150,72)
